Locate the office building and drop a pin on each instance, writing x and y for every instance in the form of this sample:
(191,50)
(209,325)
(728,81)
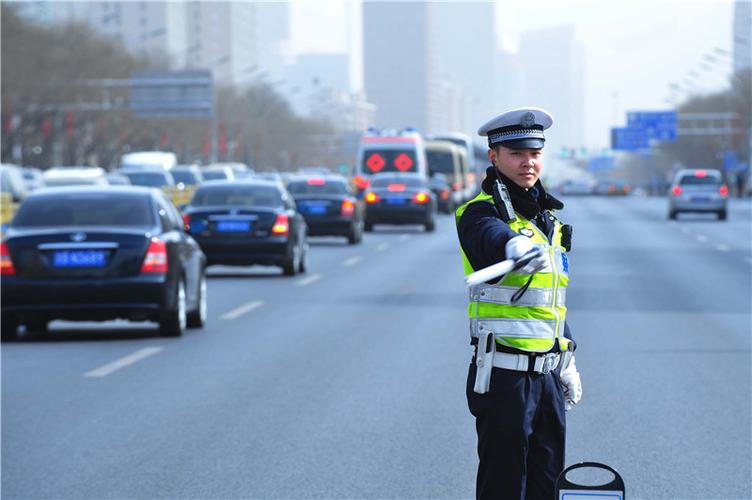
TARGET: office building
(742,46)
(552,67)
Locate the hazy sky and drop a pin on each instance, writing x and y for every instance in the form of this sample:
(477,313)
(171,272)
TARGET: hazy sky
(633,49)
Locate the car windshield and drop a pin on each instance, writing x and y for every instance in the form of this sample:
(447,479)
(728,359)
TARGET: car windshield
(457,142)
(316,186)
(7,186)
(440,161)
(264,196)
(73,181)
(389,160)
(438,180)
(409,181)
(85,209)
(184,176)
(700,180)
(150,179)
(213,175)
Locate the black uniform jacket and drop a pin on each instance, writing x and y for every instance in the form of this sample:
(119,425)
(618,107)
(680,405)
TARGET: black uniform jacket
(483,234)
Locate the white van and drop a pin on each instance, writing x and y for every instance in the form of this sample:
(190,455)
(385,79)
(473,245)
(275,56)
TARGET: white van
(149,159)
(389,151)
(446,158)
(75,176)
(472,178)
(12,182)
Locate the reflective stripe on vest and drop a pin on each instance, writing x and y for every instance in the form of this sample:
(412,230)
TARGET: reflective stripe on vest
(498,294)
(536,320)
(517,328)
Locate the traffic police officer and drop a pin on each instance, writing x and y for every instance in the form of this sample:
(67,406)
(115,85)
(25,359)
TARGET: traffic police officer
(523,375)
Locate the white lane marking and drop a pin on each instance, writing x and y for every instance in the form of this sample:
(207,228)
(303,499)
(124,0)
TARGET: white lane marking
(721,247)
(308,280)
(702,238)
(382,247)
(352,261)
(118,364)
(245,308)
(404,237)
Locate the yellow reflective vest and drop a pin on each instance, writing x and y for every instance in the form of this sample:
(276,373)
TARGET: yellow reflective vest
(532,321)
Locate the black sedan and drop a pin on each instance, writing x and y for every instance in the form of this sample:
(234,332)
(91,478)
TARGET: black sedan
(247,222)
(443,192)
(100,253)
(329,207)
(399,198)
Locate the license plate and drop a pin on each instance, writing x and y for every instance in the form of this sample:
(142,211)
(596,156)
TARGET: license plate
(79,258)
(700,199)
(233,226)
(316,209)
(396,201)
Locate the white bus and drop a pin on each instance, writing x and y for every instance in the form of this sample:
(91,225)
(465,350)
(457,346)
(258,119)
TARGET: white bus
(473,169)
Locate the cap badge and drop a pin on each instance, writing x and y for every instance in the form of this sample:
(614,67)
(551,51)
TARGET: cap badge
(528,120)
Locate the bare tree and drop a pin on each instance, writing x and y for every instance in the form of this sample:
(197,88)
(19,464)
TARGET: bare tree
(47,87)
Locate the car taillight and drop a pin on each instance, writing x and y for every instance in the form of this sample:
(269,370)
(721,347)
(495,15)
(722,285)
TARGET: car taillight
(156,257)
(676,190)
(6,264)
(456,186)
(281,226)
(348,207)
(187,222)
(396,188)
(444,194)
(316,182)
(723,190)
(371,197)
(626,188)
(421,197)
(361,182)
(701,173)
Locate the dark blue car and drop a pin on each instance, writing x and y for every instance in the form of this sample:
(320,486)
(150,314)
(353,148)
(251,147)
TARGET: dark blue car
(100,253)
(248,222)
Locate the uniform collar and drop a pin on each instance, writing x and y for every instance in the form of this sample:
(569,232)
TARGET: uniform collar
(527,202)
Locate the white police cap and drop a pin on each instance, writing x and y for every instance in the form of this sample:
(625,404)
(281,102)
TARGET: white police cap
(520,128)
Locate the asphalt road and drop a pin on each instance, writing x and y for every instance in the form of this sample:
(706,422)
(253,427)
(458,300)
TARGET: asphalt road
(348,381)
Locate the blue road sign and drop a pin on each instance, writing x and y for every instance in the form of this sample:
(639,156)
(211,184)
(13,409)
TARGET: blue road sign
(660,125)
(601,164)
(172,94)
(731,161)
(629,139)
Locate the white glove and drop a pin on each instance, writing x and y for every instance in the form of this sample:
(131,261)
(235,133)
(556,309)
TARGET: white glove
(570,381)
(520,246)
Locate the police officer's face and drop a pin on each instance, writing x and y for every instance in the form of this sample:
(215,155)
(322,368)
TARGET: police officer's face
(522,166)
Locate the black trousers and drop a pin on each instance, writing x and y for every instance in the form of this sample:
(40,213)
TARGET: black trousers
(521,434)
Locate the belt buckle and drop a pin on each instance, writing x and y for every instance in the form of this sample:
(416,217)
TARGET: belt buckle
(549,363)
